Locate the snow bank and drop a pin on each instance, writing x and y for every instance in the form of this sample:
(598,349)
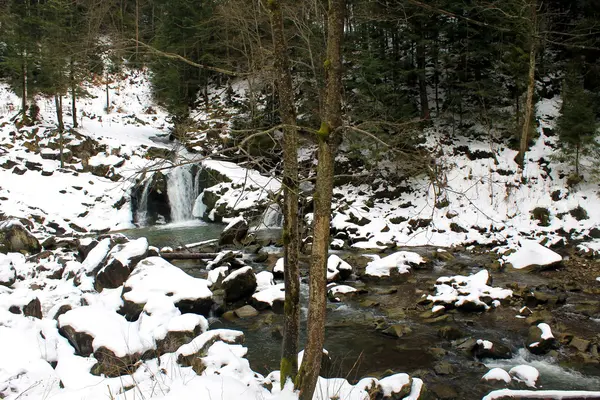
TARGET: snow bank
(531,253)
(400,262)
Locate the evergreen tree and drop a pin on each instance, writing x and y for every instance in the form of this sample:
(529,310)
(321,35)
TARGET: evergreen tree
(577,123)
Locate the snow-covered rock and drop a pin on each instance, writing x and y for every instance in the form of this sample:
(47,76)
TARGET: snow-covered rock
(497,375)
(540,339)
(272,296)
(470,293)
(239,284)
(337,269)
(155,278)
(531,255)
(15,237)
(121,260)
(8,274)
(525,374)
(395,264)
(234,232)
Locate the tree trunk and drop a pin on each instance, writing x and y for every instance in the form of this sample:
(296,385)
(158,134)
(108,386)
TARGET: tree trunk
(291,239)
(421,65)
(73,95)
(577,159)
(24,98)
(107,97)
(61,127)
(328,138)
(530,92)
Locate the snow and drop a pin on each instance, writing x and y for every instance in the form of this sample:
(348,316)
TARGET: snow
(487,345)
(542,394)
(394,384)
(341,289)
(7,269)
(96,256)
(526,374)
(200,342)
(399,261)
(462,290)
(497,374)
(108,329)
(215,274)
(271,294)
(264,280)
(546,331)
(530,253)
(130,250)
(279,266)
(154,276)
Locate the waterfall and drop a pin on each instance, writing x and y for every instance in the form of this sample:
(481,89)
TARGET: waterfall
(181,192)
(141,213)
(272,217)
(199,206)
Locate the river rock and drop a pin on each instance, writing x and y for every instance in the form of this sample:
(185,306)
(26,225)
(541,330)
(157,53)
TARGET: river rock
(540,339)
(239,284)
(393,387)
(450,332)
(14,237)
(234,232)
(579,344)
(397,330)
(487,349)
(246,311)
(28,305)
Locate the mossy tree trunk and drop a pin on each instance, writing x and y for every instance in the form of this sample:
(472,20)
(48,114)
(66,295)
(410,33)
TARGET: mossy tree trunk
(328,138)
(291,239)
(529,106)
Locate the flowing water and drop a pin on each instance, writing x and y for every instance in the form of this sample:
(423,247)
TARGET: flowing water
(358,349)
(182,190)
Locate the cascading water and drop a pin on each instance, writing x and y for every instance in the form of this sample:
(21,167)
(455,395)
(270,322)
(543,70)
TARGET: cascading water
(181,190)
(199,207)
(272,217)
(141,214)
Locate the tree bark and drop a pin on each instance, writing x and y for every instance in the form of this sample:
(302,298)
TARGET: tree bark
(24,93)
(61,127)
(291,238)
(530,91)
(421,65)
(328,138)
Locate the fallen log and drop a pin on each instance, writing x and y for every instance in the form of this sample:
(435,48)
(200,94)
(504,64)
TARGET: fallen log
(183,255)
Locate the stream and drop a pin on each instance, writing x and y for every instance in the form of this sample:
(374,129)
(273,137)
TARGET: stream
(358,349)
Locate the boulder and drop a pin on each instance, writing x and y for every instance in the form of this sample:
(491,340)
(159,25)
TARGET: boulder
(337,269)
(28,305)
(14,237)
(234,232)
(540,339)
(121,261)
(157,279)
(239,284)
(189,355)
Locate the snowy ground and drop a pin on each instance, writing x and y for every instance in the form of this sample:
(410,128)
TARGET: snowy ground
(489,206)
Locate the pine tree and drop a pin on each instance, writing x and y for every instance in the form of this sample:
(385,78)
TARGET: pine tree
(577,123)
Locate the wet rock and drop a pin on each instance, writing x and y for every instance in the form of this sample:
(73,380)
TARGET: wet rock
(234,232)
(487,349)
(449,332)
(246,311)
(443,391)
(540,340)
(539,316)
(443,368)
(445,256)
(14,237)
(239,284)
(397,330)
(579,344)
